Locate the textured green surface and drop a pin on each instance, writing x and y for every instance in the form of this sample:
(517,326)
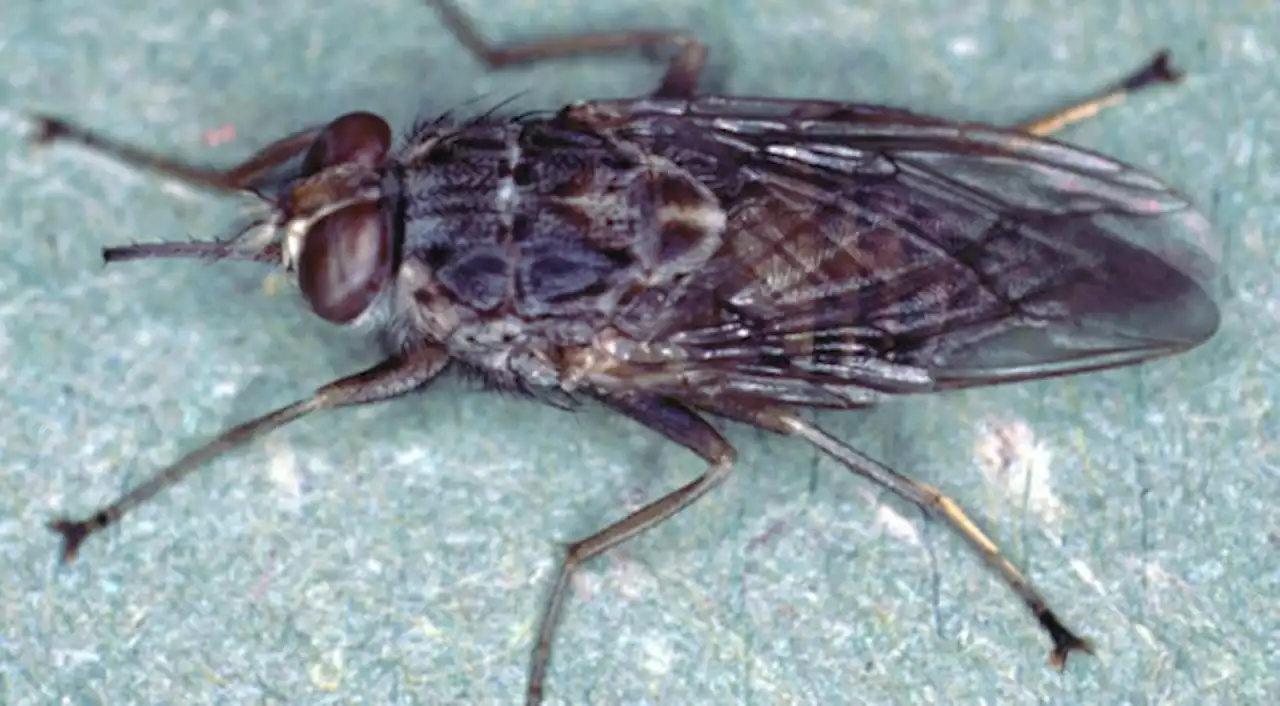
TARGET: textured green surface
(400,554)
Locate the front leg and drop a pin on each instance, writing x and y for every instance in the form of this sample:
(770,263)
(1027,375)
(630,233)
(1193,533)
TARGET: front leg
(240,177)
(388,379)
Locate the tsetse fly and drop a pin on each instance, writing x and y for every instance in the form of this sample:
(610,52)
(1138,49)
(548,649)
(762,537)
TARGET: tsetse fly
(679,256)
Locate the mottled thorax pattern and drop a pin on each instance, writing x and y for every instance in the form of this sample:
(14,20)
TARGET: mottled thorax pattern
(524,240)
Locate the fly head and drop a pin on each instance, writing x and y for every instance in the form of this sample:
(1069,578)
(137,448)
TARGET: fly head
(338,223)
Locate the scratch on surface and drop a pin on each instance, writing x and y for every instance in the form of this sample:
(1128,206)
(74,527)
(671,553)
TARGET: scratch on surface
(964,46)
(521,633)
(264,580)
(774,529)
(427,627)
(224,390)
(326,674)
(1012,459)
(892,523)
(1145,634)
(1160,582)
(221,135)
(173,187)
(585,585)
(656,657)
(630,579)
(282,469)
(1088,576)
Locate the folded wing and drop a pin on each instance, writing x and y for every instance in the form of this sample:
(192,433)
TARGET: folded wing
(872,251)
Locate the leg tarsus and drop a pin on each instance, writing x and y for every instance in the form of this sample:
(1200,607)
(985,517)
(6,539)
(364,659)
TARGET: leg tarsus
(1158,70)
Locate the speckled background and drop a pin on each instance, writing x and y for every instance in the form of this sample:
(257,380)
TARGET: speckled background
(400,554)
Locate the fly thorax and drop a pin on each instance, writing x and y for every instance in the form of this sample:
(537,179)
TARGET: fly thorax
(549,231)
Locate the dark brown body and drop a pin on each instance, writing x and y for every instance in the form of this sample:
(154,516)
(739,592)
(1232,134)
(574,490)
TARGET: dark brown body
(724,249)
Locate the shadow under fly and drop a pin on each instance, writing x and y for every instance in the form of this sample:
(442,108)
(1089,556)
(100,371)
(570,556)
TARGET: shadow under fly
(677,256)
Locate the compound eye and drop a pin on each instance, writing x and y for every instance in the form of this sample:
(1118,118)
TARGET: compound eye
(345,261)
(355,138)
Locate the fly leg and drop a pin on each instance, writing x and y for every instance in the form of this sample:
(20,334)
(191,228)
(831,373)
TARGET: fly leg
(1156,71)
(245,176)
(238,178)
(391,378)
(680,80)
(930,500)
(679,424)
